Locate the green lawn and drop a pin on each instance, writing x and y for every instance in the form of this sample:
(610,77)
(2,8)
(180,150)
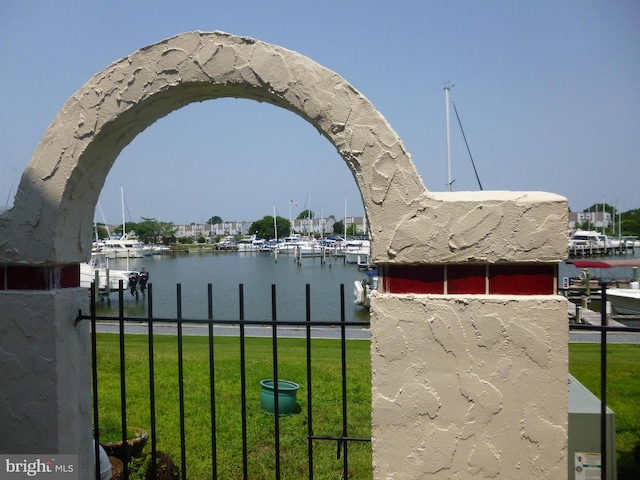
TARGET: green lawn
(327,406)
(623,394)
(584,361)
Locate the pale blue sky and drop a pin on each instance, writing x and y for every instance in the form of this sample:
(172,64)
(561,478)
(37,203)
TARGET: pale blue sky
(548,93)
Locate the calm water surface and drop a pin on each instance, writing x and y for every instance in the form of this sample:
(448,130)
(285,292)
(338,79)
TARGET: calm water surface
(608,274)
(256,271)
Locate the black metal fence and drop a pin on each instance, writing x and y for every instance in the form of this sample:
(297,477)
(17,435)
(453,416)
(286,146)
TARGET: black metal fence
(342,440)
(603,328)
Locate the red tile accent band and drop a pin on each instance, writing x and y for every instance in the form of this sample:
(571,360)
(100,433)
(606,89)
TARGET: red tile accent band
(471,279)
(522,279)
(23,277)
(466,279)
(413,279)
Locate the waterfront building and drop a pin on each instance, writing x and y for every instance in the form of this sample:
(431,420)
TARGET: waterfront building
(589,220)
(314,226)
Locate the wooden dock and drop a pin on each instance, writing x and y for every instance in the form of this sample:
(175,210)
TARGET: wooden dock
(582,251)
(578,314)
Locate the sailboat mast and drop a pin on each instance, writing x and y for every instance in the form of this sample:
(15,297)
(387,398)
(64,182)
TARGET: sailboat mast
(344,229)
(446,96)
(309,215)
(275,220)
(124,228)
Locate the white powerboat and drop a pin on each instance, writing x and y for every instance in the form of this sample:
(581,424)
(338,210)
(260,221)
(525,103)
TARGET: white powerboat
(97,270)
(357,251)
(625,300)
(295,245)
(123,247)
(588,241)
(250,243)
(362,288)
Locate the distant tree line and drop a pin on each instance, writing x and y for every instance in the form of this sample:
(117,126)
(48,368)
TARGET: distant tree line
(153,231)
(149,230)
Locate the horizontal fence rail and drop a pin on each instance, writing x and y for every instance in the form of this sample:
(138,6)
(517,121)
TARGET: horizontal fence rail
(342,440)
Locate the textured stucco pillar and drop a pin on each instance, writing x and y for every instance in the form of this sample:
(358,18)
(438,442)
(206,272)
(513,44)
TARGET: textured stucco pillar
(469,387)
(45,391)
(469,351)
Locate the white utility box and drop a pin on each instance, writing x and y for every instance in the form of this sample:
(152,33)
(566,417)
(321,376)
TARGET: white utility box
(584,435)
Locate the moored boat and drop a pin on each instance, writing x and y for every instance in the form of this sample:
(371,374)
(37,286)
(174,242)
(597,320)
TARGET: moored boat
(357,251)
(625,300)
(97,270)
(588,242)
(362,289)
(250,243)
(161,249)
(124,247)
(295,245)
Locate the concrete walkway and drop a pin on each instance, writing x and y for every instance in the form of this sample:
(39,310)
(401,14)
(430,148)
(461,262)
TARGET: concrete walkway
(594,318)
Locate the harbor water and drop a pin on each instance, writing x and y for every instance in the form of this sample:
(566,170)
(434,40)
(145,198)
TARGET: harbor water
(226,271)
(257,272)
(608,274)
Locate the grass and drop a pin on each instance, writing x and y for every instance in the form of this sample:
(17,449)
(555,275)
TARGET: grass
(623,394)
(584,363)
(327,405)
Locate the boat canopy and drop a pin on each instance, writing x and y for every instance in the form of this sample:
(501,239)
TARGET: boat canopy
(627,262)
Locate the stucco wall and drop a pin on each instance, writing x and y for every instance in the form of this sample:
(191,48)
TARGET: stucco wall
(45,393)
(469,387)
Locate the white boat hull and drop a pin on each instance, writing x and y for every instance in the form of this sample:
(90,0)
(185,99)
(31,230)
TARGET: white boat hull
(88,274)
(297,246)
(358,251)
(123,248)
(113,254)
(624,300)
(359,258)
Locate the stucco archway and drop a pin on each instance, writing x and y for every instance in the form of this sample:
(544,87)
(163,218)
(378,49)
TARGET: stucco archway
(60,188)
(467,320)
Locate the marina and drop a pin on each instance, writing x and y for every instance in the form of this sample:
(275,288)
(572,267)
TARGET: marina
(582,284)
(256,271)
(590,243)
(226,271)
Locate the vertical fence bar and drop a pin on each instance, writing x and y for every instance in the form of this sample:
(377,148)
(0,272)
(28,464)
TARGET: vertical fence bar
(343,348)
(309,384)
(243,385)
(276,406)
(152,383)
(123,388)
(603,380)
(342,441)
(212,388)
(183,448)
(94,379)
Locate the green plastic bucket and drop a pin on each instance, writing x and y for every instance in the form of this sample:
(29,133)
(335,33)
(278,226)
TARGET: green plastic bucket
(287,392)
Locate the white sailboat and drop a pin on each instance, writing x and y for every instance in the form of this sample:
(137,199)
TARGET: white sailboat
(295,244)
